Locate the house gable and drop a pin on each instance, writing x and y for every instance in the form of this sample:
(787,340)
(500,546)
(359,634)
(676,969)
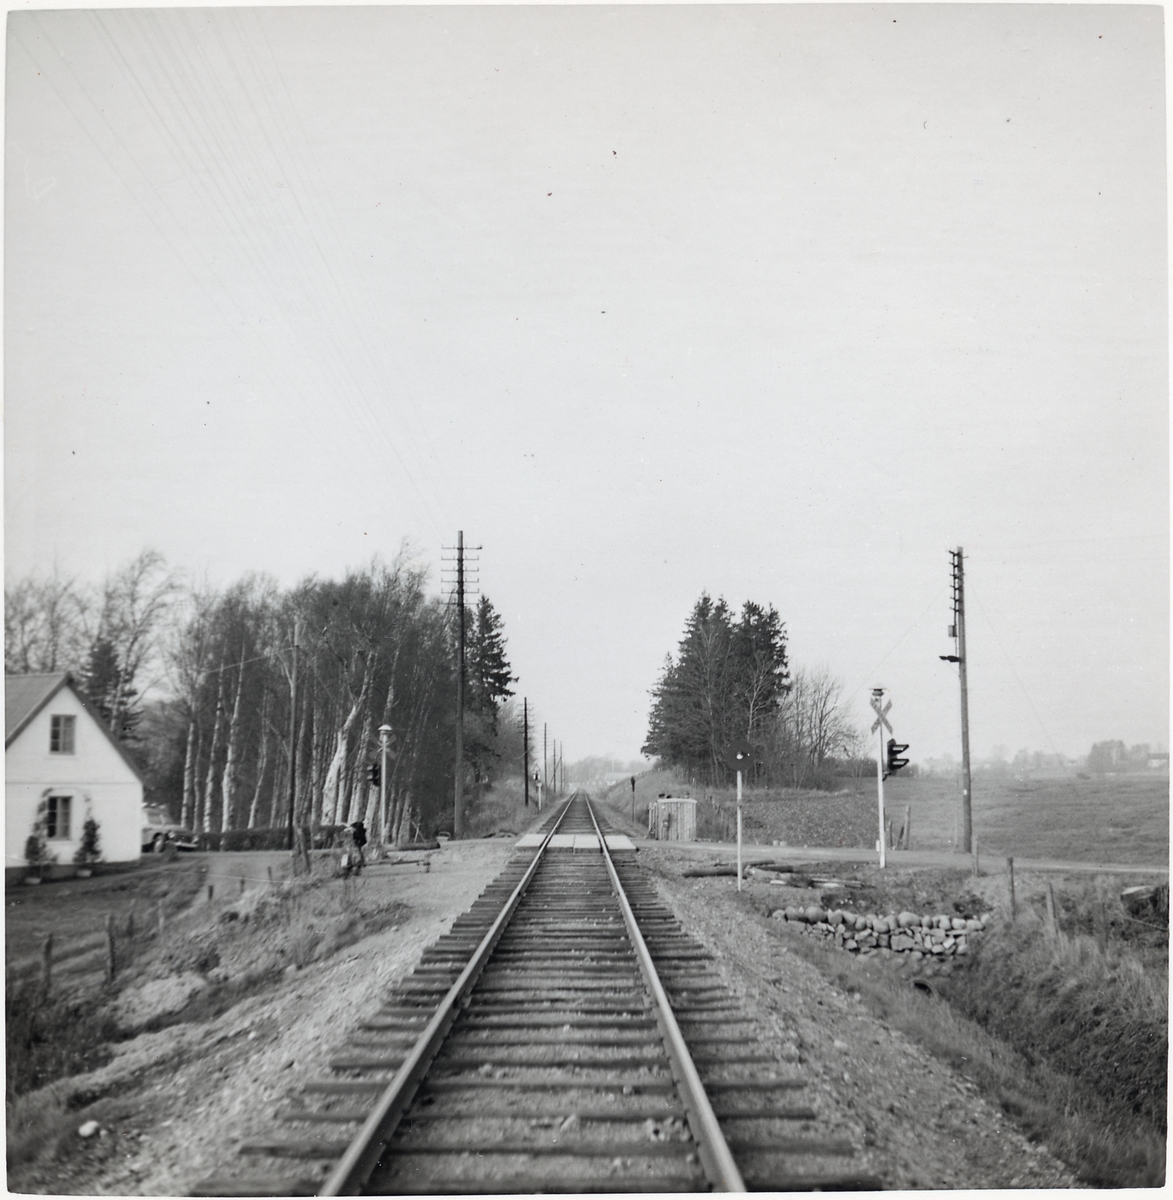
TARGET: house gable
(30,703)
(66,770)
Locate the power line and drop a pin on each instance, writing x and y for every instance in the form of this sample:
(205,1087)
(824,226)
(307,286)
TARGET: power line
(895,645)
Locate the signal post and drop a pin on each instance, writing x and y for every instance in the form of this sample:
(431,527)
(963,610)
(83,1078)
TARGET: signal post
(886,757)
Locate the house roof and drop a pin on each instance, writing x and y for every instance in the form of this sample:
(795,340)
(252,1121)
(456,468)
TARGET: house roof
(26,695)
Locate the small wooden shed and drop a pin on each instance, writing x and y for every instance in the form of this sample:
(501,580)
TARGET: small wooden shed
(672,819)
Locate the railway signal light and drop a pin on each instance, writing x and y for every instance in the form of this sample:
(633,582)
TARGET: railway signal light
(373,774)
(895,749)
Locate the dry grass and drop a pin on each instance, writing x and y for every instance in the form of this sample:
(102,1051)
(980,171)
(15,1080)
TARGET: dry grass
(1097,1132)
(1093,1010)
(501,809)
(1121,819)
(1116,818)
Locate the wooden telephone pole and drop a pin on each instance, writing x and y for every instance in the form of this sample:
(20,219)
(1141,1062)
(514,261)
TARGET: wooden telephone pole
(458,797)
(293,731)
(458,783)
(525,745)
(957,631)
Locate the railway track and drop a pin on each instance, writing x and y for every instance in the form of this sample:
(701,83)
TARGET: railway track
(565,1035)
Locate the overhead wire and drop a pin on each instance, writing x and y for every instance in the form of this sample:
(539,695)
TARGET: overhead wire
(218,173)
(209,150)
(146,193)
(1022,687)
(895,645)
(327,216)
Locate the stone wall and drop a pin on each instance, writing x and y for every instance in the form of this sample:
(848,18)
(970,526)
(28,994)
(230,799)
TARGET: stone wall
(909,933)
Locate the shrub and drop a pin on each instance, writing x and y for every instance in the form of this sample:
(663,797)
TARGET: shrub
(276,838)
(88,851)
(36,849)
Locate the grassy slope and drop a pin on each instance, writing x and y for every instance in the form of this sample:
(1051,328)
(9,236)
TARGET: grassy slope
(69,908)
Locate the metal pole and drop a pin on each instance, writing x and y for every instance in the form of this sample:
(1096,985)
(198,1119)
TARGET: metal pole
(880,787)
(739,830)
(384,734)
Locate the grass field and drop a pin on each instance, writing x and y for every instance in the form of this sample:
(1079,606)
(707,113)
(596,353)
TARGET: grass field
(70,908)
(1114,818)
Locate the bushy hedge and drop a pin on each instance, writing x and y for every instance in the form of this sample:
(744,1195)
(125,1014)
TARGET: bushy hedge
(265,839)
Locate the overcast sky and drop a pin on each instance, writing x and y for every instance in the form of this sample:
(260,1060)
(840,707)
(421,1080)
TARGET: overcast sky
(775,302)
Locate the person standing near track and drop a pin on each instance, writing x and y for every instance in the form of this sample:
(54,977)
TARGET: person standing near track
(359,833)
(347,851)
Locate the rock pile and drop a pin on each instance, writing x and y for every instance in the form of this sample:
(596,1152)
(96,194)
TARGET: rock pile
(903,933)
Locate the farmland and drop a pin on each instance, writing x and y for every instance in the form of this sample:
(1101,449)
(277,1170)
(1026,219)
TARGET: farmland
(1117,819)
(1112,818)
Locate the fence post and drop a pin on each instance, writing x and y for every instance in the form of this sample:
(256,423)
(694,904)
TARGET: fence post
(1052,922)
(161,918)
(109,947)
(908,827)
(47,966)
(1013,903)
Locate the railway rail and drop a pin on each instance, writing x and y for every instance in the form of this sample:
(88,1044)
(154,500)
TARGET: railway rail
(566,1035)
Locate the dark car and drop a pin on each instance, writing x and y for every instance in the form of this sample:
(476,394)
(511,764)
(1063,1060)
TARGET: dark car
(160,832)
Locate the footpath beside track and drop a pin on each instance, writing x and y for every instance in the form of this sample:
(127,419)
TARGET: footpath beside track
(566,1035)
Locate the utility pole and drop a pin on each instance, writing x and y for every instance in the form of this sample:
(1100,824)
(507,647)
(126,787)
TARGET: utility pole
(545,776)
(458,798)
(458,773)
(293,730)
(957,632)
(525,745)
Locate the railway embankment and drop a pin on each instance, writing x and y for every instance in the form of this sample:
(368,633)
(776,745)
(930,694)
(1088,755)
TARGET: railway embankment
(1058,1017)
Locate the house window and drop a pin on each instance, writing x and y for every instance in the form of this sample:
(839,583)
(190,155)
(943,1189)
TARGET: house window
(61,735)
(57,818)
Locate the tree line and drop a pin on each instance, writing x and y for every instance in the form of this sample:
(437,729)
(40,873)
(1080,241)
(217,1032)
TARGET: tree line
(198,682)
(730,681)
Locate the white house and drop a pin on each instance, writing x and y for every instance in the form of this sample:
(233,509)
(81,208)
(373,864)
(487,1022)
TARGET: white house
(58,750)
